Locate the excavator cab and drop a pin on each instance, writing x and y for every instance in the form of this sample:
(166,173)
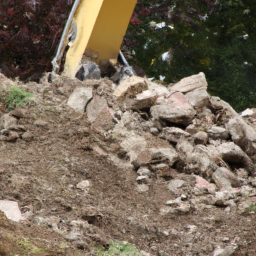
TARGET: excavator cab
(94,31)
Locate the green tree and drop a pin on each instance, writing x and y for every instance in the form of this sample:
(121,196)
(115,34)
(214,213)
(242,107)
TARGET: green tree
(215,37)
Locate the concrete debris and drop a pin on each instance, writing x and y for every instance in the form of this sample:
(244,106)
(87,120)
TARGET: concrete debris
(173,134)
(11,210)
(7,121)
(130,87)
(79,98)
(191,83)
(224,178)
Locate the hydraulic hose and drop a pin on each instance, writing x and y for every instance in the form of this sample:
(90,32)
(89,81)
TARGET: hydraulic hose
(64,37)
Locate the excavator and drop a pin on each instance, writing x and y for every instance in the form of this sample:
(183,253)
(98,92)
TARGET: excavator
(93,31)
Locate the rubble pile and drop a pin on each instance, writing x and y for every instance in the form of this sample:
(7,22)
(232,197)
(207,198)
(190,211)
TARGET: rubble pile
(196,144)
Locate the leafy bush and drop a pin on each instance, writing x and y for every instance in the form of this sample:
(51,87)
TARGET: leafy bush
(30,31)
(214,37)
(17,97)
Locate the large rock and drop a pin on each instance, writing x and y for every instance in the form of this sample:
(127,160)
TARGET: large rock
(217,132)
(249,112)
(190,83)
(175,109)
(157,89)
(79,98)
(176,184)
(185,147)
(235,156)
(243,134)
(211,151)
(200,164)
(5,82)
(133,146)
(198,98)
(157,155)
(104,120)
(224,178)
(202,183)
(11,210)
(173,134)
(147,98)
(176,99)
(144,100)
(130,87)
(7,121)
(95,106)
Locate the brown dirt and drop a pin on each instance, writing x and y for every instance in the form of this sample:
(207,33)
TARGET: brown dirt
(42,175)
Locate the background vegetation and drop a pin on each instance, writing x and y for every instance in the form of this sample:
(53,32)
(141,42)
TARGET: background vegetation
(216,37)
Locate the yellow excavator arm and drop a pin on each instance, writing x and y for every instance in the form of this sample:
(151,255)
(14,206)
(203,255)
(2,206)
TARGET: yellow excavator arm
(96,29)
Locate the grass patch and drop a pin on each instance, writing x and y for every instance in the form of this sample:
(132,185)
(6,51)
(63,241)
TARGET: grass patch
(26,245)
(17,97)
(118,248)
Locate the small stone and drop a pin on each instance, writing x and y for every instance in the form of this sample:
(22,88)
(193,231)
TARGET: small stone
(143,171)
(166,233)
(173,134)
(174,203)
(27,136)
(242,173)
(84,185)
(142,179)
(200,138)
(181,208)
(41,124)
(227,251)
(218,133)
(175,184)
(12,136)
(142,188)
(191,229)
(224,239)
(154,131)
(143,253)
(162,170)
(183,197)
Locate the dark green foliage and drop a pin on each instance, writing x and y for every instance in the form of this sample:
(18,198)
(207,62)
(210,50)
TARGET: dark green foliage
(222,45)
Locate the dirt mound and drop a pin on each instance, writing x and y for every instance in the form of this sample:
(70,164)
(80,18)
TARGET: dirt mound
(76,183)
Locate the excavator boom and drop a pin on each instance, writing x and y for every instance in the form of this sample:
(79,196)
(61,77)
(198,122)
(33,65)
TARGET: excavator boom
(98,28)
